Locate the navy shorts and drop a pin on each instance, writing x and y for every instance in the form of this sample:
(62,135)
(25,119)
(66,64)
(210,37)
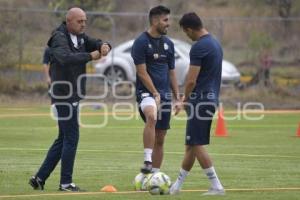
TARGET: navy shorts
(199,121)
(163,116)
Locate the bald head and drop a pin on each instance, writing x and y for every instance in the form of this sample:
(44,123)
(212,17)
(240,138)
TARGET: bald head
(76,20)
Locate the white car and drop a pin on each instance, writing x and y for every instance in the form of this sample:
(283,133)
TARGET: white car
(118,65)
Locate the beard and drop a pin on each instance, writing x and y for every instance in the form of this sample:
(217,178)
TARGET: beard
(162,31)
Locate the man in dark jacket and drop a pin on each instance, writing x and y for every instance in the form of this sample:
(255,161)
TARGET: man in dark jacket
(70,50)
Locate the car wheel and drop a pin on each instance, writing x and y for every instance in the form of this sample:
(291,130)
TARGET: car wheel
(115,74)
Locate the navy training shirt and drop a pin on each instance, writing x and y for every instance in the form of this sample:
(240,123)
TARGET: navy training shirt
(207,53)
(158,55)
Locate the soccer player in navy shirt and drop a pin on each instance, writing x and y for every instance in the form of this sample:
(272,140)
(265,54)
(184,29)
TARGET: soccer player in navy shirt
(153,55)
(201,99)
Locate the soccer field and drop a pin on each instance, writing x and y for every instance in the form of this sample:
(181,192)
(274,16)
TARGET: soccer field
(258,160)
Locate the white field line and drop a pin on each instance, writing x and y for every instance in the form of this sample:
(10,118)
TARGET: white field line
(138,152)
(141,127)
(83,114)
(136,113)
(137,192)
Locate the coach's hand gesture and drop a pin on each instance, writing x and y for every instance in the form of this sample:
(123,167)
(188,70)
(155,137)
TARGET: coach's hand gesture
(95,55)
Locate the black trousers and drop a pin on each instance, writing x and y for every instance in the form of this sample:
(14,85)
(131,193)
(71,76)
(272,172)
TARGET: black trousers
(65,146)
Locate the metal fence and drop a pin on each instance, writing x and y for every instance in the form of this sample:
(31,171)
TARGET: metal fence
(25,33)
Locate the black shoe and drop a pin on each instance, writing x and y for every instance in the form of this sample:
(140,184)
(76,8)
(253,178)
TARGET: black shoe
(147,168)
(36,183)
(71,188)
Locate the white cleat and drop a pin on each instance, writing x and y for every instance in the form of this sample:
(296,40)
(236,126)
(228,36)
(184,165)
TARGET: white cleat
(213,191)
(174,190)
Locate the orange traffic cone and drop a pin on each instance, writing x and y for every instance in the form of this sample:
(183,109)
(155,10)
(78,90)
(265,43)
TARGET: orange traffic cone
(298,131)
(108,188)
(221,127)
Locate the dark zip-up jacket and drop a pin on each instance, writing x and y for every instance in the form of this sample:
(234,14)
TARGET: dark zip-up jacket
(68,63)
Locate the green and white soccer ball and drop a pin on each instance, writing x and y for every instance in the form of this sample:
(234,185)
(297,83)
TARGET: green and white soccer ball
(141,181)
(159,184)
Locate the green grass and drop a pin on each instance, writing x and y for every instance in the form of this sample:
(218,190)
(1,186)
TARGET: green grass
(257,154)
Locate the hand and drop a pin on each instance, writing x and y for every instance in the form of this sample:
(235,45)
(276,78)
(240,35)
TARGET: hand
(48,80)
(157,99)
(104,49)
(178,106)
(95,55)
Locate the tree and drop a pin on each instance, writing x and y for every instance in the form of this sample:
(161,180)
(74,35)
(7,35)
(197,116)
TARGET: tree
(283,6)
(87,5)
(9,39)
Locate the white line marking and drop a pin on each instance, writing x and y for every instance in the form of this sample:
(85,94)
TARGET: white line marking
(136,113)
(136,192)
(173,127)
(138,152)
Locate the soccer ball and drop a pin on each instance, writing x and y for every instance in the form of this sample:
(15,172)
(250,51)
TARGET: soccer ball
(159,184)
(141,181)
